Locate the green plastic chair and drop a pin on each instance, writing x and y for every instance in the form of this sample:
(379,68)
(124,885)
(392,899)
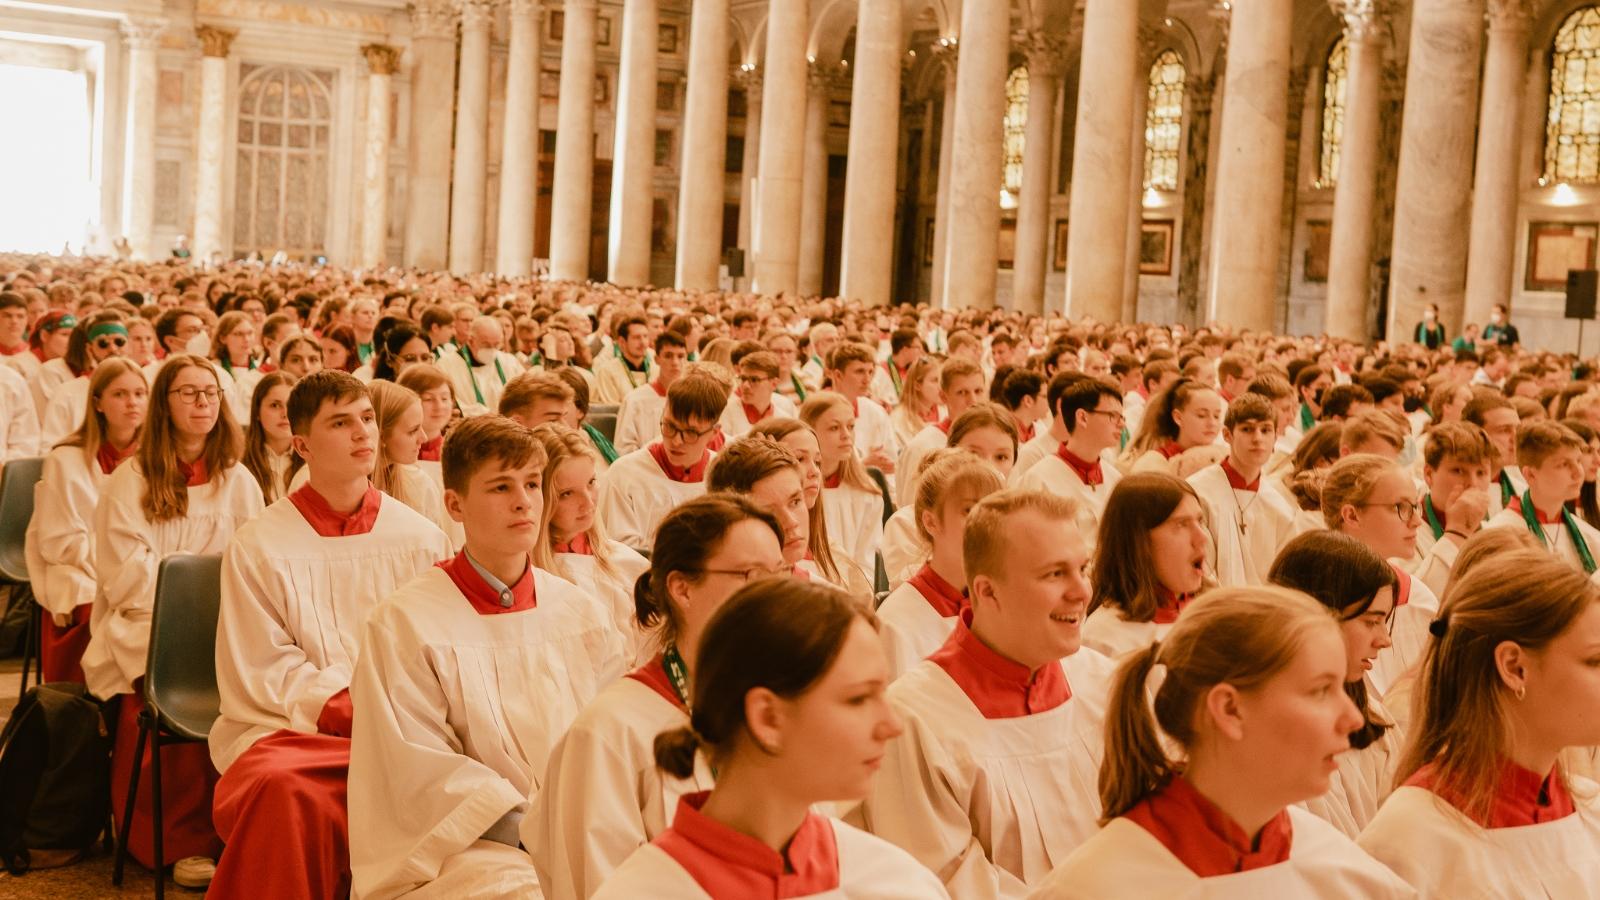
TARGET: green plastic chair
(17,482)
(180,681)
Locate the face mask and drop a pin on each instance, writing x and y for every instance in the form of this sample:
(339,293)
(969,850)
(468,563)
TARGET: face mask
(484,355)
(1429,315)
(199,345)
(1495,318)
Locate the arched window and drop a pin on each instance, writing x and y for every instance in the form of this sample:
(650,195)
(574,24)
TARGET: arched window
(1015,124)
(1163,122)
(281,182)
(1334,74)
(1572,126)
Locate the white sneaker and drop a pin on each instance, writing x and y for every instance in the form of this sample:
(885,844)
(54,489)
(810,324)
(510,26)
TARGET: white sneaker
(194,871)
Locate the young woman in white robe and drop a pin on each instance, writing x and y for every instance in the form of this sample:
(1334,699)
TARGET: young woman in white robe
(1149,562)
(819,561)
(233,346)
(184,492)
(603,796)
(1374,501)
(918,616)
(992,785)
(852,501)
(1186,416)
(1249,693)
(919,403)
(60,538)
(400,439)
(789,708)
(1358,587)
(267,440)
(767,472)
(574,544)
(468,676)
(1485,807)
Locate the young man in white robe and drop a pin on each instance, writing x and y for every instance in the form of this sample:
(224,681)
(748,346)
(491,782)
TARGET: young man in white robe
(1456,458)
(756,399)
(468,676)
(960,386)
(1551,458)
(1498,418)
(850,368)
(1247,525)
(888,380)
(639,419)
(642,487)
(1091,411)
(19,421)
(626,366)
(297,582)
(994,781)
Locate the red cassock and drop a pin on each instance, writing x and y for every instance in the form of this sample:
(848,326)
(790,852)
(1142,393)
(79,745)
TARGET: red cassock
(61,647)
(187,780)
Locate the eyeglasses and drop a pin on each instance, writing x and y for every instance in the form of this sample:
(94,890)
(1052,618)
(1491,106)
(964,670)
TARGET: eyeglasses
(109,343)
(744,575)
(416,358)
(673,431)
(1115,415)
(1405,510)
(191,395)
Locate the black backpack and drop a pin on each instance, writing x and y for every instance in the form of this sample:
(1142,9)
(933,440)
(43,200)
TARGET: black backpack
(55,776)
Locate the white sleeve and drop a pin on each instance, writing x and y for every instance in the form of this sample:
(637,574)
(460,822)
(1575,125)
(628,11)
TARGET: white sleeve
(61,537)
(630,434)
(618,513)
(56,422)
(22,425)
(586,819)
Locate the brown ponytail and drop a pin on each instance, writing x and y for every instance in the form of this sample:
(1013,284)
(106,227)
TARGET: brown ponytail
(1135,766)
(675,751)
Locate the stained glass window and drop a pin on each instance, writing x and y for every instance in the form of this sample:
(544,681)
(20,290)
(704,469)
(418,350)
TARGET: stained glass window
(1163,122)
(1572,128)
(1333,81)
(281,185)
(1015,124)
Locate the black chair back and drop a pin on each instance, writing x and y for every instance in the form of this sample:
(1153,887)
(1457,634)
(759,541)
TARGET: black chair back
(180,680)
(17,481)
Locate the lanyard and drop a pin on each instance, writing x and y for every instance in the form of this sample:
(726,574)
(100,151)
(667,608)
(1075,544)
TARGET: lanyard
(1568,520)
(467,358)
(1307,421)
(606,448)
(1122,439)
(677,673)
(894,377)
(1506,493)
(1434,524)
(799,389)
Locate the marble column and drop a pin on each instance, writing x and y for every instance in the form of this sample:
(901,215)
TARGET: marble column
(1129,307)
(866,268)
(1355,194)
(1433,193)
(143,37)
(950,55)
(972,239)
(1492,249)
(1102,157)
(634,146)
(777,226)
(470,173)
(1250,165)
(814,182)
(1046,64)
(519,148)
(705,148)
(382,62)
(212,131)
(572,188)
(433,77)
(749,166)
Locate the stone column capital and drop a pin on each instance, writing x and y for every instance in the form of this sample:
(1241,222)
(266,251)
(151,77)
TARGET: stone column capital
(1046,51)
(477,13)
(433,19)
(214,41)
(1364,20)
(142,33)
(825,76)
(944,50)
(382,59)
(748,75)
(1509,15)
(520,8)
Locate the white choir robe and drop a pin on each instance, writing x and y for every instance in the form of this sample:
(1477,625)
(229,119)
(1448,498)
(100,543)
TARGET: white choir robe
(244,386)
(855,525)
(929,439)
(636,494)
(1243,546)
(1556,539)
(1133,405)
(1434,559)
(24,364)
(883,389)
(1126,861)
(613,380)
(1444,855)
(736,422)
(1108,632)
(1497,492)
(1052,475)
(1363,779)
(1042,444)
(639,418)
(128,551)
(478,387)
(64,413)
(904,550)
(1416,607)
(991,805)
(866,867)
(613,590)
(293,602)
(459,713)
(874,431)
(602,796)
(19,420)
(907,425)
(911,627)
(60,537)
(50,377)
(424,495)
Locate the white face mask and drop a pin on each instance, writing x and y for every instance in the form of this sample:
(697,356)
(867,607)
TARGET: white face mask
(1429,315)
(199,345)
(1495,318)
(484,355)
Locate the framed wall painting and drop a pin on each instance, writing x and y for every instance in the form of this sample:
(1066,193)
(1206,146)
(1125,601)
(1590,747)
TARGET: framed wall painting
(667,39)
(1155,246)
(1319,247)
(1058,259)
(1554,248)
(555,27)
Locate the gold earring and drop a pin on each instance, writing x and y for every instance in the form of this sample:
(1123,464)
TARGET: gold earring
(1522,691)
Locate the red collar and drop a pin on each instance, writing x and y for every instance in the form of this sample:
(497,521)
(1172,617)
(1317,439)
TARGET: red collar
(432,450)
(998,687)
(329,522)
(38,353)
(692,475)
(579,545)
(1170,605)
(932,415)
(729,865)
(944,597)
(834,480)
(1089,473)
(1521,797)
(944,424)
(1542,517)
(485,599)
(1024,433)
(656,386)
(753,415)
(1142,391)
(194,474)
(797,572)
(1402,585)
(653,675)
(1170,449)
(855,407)
(110,457)
(1226,397)
(1202,836)
(717,442)
(1236,481)
(13,351)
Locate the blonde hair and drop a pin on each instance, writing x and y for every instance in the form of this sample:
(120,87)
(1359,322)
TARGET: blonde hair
(1241,636)
(984,540)
(984,414)
(1349,483)
(1377,424)
(562,445)
(959,471)
(851,470)
(91,433)
(389,402)
(910,406)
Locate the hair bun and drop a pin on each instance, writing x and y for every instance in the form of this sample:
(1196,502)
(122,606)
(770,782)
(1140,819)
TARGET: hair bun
(1438,627)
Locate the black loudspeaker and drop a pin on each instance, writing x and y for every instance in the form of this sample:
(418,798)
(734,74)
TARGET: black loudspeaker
(1582,286)
(733,258)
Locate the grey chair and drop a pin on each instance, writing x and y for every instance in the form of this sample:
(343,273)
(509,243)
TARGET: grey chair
(180,682)
(882,481)
(604,418)
(17,482)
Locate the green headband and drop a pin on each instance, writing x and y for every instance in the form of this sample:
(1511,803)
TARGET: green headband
(105,328)
(67,321)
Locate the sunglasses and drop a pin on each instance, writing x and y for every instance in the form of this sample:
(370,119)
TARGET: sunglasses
(107,343)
